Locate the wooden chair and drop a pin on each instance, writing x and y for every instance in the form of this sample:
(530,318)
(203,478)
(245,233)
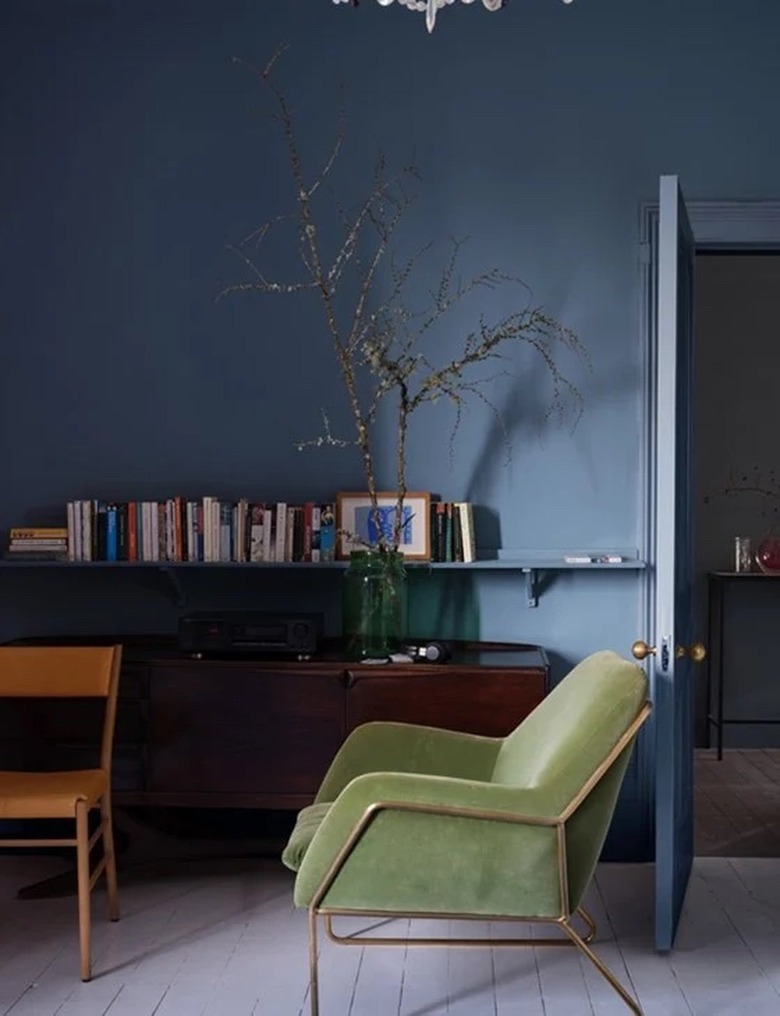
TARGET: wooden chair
(55,672)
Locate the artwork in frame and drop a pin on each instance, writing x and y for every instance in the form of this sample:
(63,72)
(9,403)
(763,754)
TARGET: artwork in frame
(357,529)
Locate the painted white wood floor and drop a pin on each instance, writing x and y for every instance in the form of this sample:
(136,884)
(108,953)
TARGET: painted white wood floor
(221,938)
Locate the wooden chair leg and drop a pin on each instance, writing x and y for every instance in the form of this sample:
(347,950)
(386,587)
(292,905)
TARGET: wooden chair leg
(82,868)
(109,856)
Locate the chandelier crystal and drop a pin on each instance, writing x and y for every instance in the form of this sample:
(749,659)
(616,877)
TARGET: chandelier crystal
(432,6)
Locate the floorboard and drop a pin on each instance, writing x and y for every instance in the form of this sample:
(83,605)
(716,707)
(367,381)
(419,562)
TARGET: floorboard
(221,938)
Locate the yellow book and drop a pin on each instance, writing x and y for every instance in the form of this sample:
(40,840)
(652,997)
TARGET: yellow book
(38,532)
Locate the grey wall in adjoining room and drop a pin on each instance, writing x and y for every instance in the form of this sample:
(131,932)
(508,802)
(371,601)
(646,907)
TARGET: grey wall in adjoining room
(737,421)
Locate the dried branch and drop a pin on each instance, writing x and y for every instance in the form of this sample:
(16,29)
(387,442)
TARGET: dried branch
(762,483)
(380,342)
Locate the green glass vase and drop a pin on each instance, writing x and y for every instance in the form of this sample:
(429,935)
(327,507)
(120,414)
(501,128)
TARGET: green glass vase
(374,604)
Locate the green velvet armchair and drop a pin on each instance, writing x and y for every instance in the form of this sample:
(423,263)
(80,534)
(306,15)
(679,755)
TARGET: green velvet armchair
(417,821)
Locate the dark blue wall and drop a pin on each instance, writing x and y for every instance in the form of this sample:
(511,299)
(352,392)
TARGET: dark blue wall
(136,151)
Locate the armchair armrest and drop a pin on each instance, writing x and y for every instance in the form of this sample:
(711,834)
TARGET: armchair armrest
(408,748)
(408,859)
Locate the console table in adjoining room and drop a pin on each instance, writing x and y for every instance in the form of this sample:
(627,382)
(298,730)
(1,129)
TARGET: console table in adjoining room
(719,585)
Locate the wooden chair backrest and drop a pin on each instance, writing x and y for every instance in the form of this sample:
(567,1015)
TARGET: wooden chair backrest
(57,671)
(65,672)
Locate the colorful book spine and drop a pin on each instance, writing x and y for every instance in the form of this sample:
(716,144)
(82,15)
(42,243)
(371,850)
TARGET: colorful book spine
(466,515)
(111,533)
(280,537)
(269,541)
(39,532)
(37,544)
(257,531)
(327,532)
(316,513)
(225,530)
(308,512)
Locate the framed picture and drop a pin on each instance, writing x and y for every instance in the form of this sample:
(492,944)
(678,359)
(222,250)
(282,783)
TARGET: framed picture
(357,528)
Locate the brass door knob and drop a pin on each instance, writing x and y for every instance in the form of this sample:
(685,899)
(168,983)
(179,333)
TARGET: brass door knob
(695,651)
(641,650)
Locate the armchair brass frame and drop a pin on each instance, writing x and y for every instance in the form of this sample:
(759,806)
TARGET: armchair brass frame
(563,920)
(57,672)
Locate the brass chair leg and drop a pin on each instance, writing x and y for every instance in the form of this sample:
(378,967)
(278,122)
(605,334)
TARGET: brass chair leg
(589,923)
(313,978)
(82,868)
(602,968)
(109,856)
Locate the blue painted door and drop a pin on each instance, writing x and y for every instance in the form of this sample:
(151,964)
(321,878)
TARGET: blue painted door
(671,671)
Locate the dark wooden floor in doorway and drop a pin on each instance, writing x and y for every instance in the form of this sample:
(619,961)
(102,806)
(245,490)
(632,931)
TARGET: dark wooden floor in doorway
(737,803)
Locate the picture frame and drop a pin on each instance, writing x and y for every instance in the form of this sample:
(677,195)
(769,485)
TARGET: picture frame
(356,528)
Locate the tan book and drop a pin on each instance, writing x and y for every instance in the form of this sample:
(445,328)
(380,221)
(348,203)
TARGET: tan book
(38,533)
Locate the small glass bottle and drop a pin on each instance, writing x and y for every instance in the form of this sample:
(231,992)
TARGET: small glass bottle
(743,554)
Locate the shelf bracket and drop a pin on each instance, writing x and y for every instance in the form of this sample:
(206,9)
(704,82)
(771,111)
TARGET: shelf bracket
(178,590)
(531,593)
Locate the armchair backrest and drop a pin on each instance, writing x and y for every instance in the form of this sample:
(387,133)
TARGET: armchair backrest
(561,744)
(569,734)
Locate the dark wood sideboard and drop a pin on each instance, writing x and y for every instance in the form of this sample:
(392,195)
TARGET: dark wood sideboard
(260,733)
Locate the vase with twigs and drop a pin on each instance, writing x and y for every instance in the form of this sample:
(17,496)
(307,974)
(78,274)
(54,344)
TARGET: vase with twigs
(385,339)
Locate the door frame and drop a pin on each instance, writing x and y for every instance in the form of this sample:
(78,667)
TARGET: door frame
(717,225)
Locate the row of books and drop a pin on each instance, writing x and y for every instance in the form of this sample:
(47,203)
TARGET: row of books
(208,529)
(452,531)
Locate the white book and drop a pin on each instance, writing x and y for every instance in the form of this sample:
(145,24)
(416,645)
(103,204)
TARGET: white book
(77,542)
(241,527)
(281,531)
(208,549)
(71,531)
(196,551)
(144,547)
(169,555)
(154,530)
(151,530)
(86,530)
(466,515)
(268,534)
(38,543)
(216,528)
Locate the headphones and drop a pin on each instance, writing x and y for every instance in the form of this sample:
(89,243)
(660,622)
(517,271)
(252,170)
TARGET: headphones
(429,652)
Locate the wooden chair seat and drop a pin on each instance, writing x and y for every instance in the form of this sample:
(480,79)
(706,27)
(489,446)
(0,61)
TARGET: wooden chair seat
(49,795)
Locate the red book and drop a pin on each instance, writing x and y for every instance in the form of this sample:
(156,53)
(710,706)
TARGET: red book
(132,530)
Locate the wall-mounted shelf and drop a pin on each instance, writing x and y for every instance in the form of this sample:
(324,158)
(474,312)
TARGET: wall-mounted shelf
(533,569)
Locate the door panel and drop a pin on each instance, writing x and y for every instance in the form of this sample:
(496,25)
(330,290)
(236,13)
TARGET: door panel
(672,676)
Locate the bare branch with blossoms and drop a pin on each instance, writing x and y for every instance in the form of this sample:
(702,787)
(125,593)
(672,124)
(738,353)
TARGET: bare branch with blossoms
(379,341)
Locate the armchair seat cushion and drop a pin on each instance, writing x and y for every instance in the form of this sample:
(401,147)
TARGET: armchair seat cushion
(306,825)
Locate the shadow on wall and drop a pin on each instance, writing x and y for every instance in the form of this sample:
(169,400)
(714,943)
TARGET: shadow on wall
(443,605)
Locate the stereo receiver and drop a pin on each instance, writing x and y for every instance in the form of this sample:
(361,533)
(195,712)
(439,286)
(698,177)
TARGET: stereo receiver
(249,632)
